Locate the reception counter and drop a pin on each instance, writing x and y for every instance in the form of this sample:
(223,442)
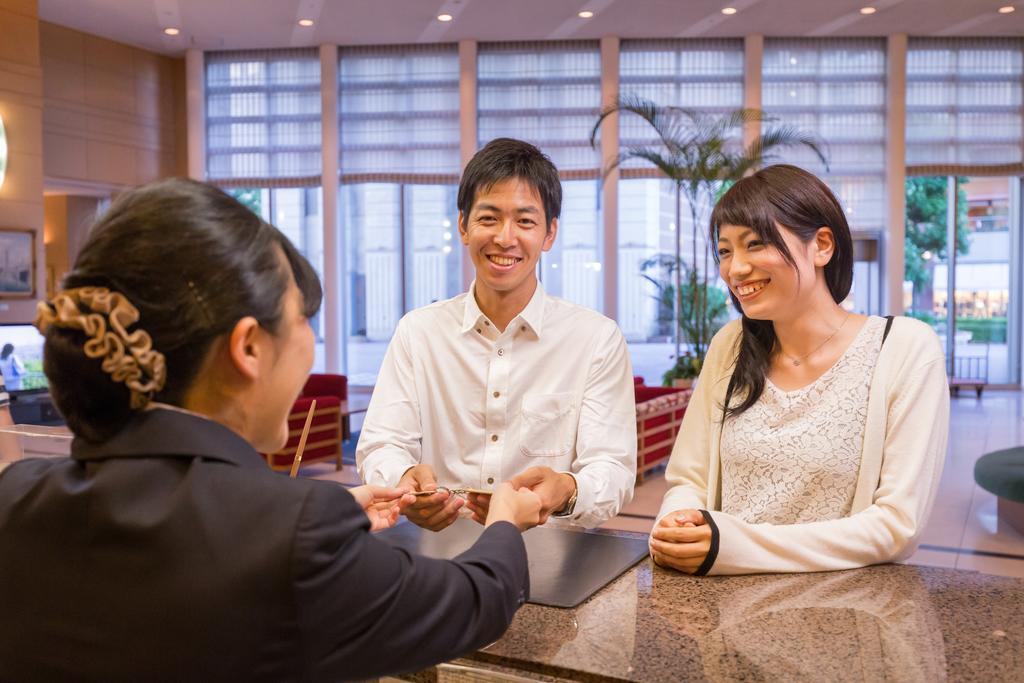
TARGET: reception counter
(889,622)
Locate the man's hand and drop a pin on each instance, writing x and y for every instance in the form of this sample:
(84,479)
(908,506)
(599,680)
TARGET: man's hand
(554,488)
(479,504)
(434,512)
(681,541)
(382,505)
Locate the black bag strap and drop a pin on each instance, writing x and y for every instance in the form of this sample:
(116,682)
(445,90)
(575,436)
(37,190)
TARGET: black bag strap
(888,326)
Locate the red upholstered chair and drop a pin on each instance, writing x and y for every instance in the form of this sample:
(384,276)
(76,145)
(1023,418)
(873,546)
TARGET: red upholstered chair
(659,414)
(329,385)
(326,430)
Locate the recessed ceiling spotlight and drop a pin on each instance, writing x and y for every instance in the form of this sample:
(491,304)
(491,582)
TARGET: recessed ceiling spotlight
(868,10)
(171,31)
(585,14)
(1007,9)
(444,17)
(728,10)
(306,22)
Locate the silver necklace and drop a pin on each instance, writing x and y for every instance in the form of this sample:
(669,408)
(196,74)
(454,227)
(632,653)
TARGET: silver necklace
(798,360)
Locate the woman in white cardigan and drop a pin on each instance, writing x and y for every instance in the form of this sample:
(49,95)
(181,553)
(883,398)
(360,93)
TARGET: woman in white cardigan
(829,453)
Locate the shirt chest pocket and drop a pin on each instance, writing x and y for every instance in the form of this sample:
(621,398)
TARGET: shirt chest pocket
(547,424)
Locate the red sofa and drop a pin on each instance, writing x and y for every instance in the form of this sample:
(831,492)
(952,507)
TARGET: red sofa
(659,414)
(327,429)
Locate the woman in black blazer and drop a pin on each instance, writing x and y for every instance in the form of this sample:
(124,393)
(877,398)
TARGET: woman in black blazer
(164,548)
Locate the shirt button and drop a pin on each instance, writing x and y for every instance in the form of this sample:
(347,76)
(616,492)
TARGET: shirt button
(487,323)
(494,437)
(523,328)
(490,480)
(501,352)
(479,331)
(497,394)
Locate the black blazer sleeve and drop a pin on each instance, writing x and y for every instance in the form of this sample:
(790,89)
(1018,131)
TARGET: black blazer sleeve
(366,609)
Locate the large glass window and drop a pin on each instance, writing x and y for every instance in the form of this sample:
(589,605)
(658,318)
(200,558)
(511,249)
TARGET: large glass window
(549,94)
(263,143)
(400,163)
(295,211)
(835,89)
(977,331)
(701,75)
(965,137)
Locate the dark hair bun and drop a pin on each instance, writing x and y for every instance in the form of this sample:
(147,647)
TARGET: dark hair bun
(193,261)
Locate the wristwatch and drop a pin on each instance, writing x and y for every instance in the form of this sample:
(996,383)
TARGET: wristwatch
(570,505)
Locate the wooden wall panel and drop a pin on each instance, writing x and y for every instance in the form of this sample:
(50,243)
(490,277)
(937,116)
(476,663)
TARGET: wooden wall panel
(21,104)
(110,110)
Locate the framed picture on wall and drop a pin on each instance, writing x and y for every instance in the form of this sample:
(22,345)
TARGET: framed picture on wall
(17,263)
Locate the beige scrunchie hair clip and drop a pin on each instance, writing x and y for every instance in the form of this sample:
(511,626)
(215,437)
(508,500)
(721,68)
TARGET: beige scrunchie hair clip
(129,358)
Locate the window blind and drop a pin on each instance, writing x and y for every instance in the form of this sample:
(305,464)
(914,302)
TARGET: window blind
(547,93)
(399,114)
(263,118)
(697,74)
(965,113)
(835,89)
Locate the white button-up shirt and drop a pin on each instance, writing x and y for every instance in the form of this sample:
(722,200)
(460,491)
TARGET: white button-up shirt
(479,406)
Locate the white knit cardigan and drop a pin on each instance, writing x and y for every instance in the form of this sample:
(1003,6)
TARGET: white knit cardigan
(901,463)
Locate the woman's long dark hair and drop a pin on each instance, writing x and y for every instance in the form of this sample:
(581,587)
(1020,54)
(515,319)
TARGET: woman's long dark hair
(790,197)
(193,261)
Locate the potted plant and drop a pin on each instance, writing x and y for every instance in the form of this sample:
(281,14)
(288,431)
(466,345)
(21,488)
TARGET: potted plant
(684,372)
(701,154)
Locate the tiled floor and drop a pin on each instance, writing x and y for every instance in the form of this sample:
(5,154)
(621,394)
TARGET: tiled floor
(963,531)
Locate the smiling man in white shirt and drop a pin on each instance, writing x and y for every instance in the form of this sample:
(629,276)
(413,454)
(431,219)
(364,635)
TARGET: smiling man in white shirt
(505,382)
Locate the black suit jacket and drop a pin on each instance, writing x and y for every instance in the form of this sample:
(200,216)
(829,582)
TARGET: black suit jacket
(171,552)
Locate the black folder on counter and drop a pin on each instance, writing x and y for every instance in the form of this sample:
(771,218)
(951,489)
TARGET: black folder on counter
(566,566)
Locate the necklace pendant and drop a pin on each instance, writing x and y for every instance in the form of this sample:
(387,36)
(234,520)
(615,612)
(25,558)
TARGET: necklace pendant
(796,361)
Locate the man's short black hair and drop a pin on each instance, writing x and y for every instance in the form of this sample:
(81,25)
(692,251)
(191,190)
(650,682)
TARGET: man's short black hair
(505,158)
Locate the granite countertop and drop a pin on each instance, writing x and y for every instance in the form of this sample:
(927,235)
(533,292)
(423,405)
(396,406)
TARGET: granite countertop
(888,622)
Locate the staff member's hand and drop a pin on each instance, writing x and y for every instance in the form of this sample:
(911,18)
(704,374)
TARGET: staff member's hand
(554,488)
(382,505)
(681,541)
(520,507)
(434,512)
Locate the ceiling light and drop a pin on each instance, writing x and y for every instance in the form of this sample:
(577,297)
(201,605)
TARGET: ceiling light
(305,22)
(171,31)
(444,17)
(585,14)
(868,10)
(1007,9)
(728,10)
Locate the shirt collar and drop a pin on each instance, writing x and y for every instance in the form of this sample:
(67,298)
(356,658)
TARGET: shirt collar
(532,315)
(169,433)
(471,313)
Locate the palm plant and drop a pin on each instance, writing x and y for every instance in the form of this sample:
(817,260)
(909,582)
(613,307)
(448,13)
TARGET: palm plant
(700,154)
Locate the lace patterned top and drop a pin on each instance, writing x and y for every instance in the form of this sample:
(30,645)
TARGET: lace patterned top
(793,456)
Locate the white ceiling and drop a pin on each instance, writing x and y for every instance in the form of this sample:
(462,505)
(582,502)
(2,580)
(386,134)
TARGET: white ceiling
(233,24)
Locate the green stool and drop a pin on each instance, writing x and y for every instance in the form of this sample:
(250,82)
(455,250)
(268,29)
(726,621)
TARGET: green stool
(1002,473)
